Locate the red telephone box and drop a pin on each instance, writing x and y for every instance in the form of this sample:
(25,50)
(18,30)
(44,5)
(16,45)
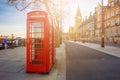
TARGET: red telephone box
(40,42)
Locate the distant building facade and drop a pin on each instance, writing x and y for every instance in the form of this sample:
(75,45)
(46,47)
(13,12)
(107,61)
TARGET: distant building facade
(87,28)
(112,21)
(71,33)
(65,36)
(91,27)
(98,22)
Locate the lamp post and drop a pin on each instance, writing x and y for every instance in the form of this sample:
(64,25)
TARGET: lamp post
(102,36)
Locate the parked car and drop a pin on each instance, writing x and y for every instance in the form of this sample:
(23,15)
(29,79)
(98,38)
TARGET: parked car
(0,45)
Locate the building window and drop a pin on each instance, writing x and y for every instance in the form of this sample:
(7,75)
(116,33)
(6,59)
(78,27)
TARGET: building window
(104,25)
(118,21)
(105,17)
(98,26)
(112,22)
(112,4)
(112,14)
(108,23)
(117,11)
(108,16)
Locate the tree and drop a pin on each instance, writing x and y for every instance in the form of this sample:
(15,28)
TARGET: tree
(55,11)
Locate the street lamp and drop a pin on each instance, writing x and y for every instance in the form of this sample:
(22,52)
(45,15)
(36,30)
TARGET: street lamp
(102,39)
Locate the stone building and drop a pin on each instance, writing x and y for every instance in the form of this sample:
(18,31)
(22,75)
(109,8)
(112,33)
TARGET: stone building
(98,22)
(71,33)
(87,28)
(112,21)
(90,28)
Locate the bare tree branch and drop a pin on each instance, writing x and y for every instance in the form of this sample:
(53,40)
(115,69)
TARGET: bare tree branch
(16,6)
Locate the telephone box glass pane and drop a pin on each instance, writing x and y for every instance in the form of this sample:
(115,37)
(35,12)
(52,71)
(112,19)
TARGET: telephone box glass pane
(37,30)
(37,27)
(36,35)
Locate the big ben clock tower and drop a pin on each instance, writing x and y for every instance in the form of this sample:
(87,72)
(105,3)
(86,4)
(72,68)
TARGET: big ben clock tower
(78,18)
(78,21)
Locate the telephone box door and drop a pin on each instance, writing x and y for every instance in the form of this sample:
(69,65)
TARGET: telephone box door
(37,42)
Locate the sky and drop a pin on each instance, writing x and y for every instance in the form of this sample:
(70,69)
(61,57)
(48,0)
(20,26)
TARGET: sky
(11,20)
(86,6)
(14,22)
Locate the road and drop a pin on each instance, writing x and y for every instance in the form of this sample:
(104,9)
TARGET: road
(83,63)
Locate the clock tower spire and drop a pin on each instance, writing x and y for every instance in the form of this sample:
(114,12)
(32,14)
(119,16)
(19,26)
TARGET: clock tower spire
(78,17)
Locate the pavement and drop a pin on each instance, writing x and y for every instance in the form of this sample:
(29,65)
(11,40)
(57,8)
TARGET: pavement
(13,65)
(111,50)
